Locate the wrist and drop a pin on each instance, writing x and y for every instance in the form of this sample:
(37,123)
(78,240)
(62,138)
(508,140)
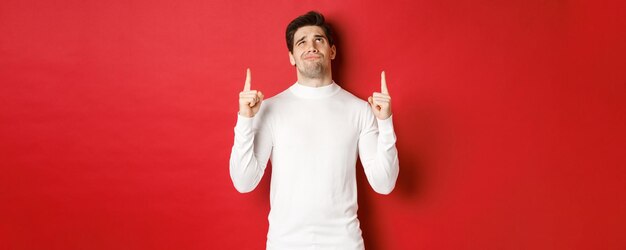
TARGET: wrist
(245,114)
(383,117)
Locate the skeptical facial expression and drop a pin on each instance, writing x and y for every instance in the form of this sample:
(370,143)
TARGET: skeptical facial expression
(311,52)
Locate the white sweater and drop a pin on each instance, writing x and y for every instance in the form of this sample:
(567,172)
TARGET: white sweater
(313,136)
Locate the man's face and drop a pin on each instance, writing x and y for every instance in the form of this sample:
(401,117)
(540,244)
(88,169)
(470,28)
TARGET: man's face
(311,52)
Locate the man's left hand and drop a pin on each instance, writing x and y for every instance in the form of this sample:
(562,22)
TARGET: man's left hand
(381,102)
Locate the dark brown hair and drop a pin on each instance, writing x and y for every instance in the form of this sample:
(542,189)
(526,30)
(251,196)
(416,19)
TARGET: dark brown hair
(311,18)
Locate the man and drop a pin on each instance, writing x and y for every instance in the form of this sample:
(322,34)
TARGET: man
(313,132)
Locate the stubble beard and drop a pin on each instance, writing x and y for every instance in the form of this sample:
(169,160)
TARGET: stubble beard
(313,70)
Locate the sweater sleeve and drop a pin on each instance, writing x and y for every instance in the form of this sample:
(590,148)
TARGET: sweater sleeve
(251,151)
(378,153)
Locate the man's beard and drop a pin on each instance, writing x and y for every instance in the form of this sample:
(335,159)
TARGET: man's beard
(313,70)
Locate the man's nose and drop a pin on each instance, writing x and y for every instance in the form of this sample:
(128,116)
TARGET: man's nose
(312,48)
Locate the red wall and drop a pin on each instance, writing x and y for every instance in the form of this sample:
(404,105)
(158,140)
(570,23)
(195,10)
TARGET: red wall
(116,120)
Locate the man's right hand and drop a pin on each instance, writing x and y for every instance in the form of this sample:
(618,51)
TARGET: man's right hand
(249,100)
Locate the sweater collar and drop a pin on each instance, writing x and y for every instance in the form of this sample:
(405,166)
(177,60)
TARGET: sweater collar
(314,92)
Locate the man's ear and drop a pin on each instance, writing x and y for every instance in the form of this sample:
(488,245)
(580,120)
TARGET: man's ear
(291,59)
(333,52)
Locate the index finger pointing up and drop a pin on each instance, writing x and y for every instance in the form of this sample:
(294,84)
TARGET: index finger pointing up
(383,84)
(246,86)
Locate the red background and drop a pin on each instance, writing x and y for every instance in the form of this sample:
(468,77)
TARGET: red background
(116,120)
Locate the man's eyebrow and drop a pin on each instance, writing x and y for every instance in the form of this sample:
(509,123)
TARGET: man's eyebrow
(301,39)
(315,36)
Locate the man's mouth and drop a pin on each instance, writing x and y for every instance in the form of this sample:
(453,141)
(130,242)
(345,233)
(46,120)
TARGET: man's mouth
(312,57)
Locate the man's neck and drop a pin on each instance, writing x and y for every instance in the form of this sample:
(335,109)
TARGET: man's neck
(315,82)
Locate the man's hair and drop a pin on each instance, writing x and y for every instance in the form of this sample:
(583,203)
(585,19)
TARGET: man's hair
(311,18)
